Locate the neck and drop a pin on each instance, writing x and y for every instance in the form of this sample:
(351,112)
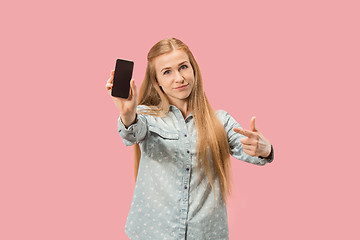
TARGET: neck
(183,106)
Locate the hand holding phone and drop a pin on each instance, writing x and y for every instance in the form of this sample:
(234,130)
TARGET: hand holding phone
(127,106)
(122,77)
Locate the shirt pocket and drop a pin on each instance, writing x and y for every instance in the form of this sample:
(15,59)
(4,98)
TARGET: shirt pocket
(163,133)
(163,144)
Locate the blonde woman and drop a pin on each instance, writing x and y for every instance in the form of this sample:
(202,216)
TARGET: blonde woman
(182,150)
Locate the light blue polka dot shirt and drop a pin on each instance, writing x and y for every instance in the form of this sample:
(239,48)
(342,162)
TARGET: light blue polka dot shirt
(169,203)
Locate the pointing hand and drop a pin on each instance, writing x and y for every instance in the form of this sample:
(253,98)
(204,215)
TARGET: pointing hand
(255,144)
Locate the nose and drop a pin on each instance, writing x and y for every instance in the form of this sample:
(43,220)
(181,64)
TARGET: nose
(179,77)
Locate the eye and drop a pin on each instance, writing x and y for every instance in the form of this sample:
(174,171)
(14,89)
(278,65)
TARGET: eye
(183,67)
(166,72)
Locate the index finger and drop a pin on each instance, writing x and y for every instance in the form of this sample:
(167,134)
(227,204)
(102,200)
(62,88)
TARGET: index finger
(244,132)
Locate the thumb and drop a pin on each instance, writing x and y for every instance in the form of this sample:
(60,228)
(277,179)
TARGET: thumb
(133,88)
(252,125)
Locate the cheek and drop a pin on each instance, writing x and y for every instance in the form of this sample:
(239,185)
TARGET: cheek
(190,76)
(165,86)
(160,81)
(190,73)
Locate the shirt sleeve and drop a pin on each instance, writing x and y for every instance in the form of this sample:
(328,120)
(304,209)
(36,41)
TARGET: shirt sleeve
(135,133)
(236,149)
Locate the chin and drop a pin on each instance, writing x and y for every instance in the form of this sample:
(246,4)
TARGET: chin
(184,96)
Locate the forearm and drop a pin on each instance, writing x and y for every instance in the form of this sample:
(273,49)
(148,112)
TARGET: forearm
(128,120)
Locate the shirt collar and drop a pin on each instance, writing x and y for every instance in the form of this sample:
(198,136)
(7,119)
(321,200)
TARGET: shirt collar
(174,108)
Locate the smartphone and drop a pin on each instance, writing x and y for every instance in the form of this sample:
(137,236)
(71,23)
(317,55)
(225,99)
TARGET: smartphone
(122,76)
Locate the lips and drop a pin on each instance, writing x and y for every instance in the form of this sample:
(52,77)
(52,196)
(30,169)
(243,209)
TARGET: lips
(182,87)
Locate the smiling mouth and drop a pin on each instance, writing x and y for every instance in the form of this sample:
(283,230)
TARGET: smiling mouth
(181,87)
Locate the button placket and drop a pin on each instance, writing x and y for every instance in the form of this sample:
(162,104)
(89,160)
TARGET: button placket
(186,150)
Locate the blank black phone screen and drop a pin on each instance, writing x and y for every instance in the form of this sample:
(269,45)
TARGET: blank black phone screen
(122,77)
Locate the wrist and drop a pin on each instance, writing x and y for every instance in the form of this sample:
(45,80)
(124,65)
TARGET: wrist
(268,152)
(128,121)
(270,156)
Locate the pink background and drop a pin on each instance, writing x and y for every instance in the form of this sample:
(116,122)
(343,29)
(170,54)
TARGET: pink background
(65,172)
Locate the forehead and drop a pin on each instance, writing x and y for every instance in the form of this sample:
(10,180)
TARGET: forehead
(171,59)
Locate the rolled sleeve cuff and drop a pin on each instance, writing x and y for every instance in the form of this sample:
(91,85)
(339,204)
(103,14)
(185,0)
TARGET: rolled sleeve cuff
(134,133)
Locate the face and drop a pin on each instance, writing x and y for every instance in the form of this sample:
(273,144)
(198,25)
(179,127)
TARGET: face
(175,76)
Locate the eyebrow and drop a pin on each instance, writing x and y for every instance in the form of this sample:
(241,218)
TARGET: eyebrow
(170,67)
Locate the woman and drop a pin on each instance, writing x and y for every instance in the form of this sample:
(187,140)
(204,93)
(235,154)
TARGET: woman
(176,133)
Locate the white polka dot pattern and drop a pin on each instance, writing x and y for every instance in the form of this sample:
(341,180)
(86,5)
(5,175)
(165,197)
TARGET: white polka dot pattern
(169,202)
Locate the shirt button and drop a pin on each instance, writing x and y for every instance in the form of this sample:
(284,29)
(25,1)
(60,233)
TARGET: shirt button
(185,187)
(187,169)
(185,135)
(188,151)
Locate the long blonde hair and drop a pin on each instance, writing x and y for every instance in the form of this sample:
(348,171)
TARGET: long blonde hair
(211,137)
